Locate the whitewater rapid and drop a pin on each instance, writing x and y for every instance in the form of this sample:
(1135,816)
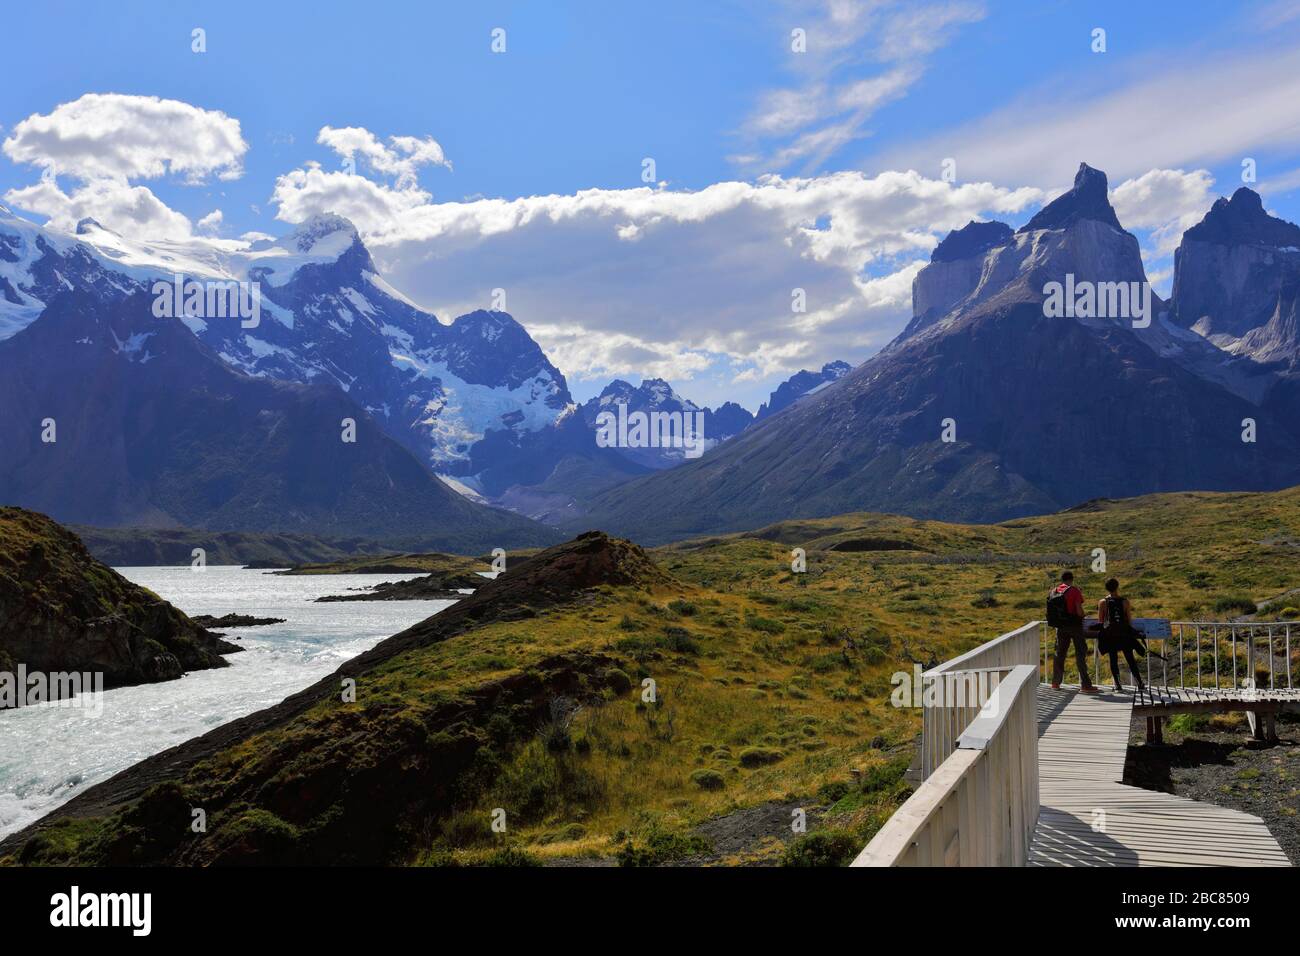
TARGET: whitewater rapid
(49,754)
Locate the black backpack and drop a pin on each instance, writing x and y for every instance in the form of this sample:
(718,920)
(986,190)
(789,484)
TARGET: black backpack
(1057,615)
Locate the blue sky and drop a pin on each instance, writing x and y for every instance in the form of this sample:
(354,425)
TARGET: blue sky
(688,277)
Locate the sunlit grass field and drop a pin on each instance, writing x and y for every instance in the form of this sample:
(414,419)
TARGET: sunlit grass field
(739,685)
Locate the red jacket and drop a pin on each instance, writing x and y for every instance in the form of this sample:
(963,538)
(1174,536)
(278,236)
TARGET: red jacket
(1073,598)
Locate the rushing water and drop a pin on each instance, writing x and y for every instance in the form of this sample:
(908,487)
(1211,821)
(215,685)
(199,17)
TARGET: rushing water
(50,754)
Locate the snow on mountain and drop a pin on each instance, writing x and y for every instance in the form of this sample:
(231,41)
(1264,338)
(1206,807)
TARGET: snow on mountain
(323,314)
(654,395)
(799,384)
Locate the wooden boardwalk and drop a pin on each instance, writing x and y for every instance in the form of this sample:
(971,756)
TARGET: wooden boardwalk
(1089,818)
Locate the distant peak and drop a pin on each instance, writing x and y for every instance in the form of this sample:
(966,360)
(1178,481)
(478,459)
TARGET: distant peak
(1243,220)
(972,239)
(1088,199)
(310,232)
(1246,198)
(87,225)
(486,319)
(616,387)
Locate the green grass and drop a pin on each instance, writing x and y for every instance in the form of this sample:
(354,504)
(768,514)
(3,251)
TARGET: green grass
(774,684)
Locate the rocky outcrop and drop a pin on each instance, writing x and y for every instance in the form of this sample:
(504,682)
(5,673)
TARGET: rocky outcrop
(63,611)
(428,587)
(1237,277)
(234,620)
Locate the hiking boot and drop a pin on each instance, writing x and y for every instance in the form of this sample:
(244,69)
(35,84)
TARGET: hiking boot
(1089,690)
(1056,687)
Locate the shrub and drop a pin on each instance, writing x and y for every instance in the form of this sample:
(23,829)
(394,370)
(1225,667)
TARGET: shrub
(765,624)
(1188,723)
(679,639)
(759,756)
(1235,602)
(883,776)
(821,848)
(708,780)
(618,681)
(511,856)
(662,846)
(832,792)
(684,608)
(467,829)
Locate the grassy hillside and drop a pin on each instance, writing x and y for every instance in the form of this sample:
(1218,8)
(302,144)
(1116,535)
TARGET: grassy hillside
(771,695)
(144,547)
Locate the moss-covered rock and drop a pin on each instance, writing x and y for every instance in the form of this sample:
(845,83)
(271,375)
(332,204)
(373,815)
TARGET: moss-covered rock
(63,611)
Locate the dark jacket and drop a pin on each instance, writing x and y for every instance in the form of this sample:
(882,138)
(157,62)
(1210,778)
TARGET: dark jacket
(1117,631)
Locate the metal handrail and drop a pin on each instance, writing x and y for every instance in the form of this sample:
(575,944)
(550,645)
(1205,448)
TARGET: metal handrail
(1210,650)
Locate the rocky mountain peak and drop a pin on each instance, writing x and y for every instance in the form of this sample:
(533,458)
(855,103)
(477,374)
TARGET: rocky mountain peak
(972,239)
(311,234)
(1242,220)
(1089,199)
(88,225)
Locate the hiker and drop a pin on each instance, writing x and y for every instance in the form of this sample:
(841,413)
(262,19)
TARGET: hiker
(1117,633)
(1065,613)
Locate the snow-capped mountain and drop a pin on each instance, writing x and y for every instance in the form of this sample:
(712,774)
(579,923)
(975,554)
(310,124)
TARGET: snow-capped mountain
(324,315)
(114,416)
(799,384)
(654,395)
(37,264)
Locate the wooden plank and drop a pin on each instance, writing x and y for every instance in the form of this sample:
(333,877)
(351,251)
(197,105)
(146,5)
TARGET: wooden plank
(1090,818)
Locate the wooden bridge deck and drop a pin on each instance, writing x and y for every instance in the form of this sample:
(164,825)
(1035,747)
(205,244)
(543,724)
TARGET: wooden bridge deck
(1089,818)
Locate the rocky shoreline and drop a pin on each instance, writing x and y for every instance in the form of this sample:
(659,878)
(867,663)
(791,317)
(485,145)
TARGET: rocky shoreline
(62,611)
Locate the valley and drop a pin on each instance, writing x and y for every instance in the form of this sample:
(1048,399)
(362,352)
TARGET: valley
(769,689)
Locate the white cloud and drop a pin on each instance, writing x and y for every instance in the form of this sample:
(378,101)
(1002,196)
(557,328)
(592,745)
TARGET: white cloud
(666,282)
(211,223)
(400,159)
(130,210)
(1167,202)
(302,192)
(116,136)
(1199,112)
(103,141)
(831,102)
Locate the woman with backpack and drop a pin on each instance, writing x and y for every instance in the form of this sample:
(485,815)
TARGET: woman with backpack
(1118,633)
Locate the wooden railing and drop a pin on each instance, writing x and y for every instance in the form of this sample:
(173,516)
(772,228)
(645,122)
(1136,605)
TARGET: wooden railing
(978,802)
(980,806)
(953,692)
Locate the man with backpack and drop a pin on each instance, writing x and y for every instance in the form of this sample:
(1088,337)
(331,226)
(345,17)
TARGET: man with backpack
(1065,613)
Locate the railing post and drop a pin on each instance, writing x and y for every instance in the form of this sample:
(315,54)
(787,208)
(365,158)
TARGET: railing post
(1250,659)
